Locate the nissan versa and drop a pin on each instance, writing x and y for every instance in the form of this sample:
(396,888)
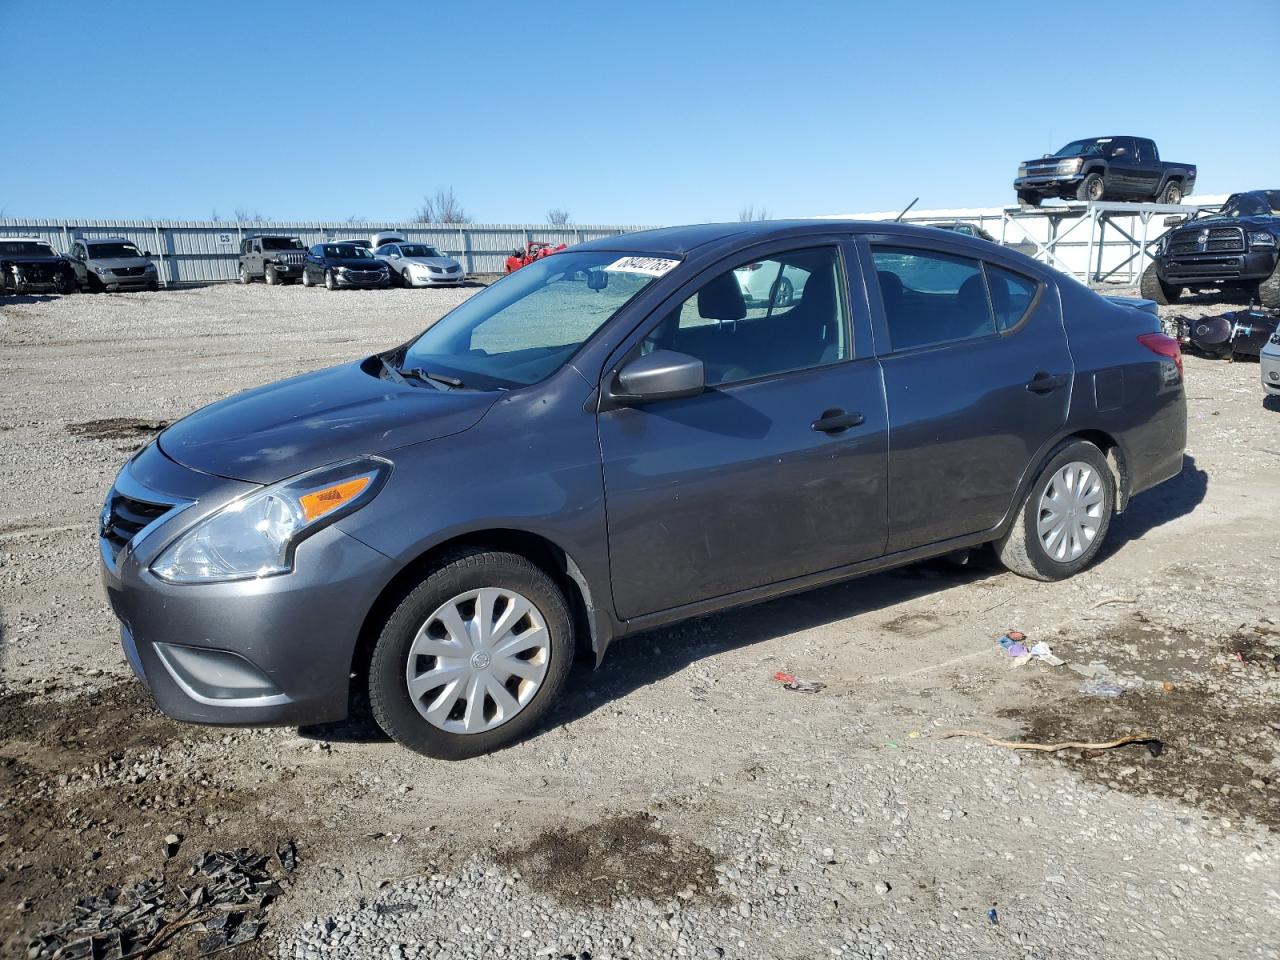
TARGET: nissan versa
(611,439)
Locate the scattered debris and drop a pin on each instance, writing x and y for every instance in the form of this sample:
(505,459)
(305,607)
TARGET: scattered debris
(1099,687)
(1042,652)
(171,844)
(1154,745)
(1014,643)
(790,681)
(231,891)
(1103,603)
(993,917)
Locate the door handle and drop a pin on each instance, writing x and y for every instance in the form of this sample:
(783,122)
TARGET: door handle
(836,420)
(1044,382)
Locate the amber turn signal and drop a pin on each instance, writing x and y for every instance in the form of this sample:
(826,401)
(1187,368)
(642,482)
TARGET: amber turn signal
(319,502)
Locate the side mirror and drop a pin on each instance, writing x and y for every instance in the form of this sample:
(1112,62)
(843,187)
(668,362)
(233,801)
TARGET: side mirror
(1045,156)
(661,375)
(146,253)
(1174,221)
(597,279)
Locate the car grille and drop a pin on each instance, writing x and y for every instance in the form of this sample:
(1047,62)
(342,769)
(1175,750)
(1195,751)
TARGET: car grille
(1204,268)
(129,271)
(292,258)
(123,518)
(364,276)
(1217,240)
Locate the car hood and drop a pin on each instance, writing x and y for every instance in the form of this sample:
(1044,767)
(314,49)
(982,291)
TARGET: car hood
(1249,223)
(354,263)
(31,259)
(432,261)
(285,428)
(115,263)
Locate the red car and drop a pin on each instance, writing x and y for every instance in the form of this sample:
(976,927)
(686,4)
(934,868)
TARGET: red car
(533,250)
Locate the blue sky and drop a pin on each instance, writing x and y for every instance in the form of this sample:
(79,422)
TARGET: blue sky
(642,113)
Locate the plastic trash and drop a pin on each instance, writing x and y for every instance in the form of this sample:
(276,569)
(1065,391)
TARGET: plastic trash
(1012,637)
(1098,687)
(790,681)
(1042,653)
(993,916)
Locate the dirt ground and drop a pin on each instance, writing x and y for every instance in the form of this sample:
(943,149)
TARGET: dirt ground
(681,801)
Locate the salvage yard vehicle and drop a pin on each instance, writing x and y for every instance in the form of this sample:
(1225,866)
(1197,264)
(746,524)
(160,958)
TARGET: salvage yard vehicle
(420,265)
(113,263)
(1269,361)
(533,250)
(339,265)
(31,265)
(1234,251)
(555,464)
(273,259)
(1105,168)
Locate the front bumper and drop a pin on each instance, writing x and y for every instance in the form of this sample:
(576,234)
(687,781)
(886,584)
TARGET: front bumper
(1216,268)
(142,281)
(435,280)
(286,271)
(275,650)
(1047,182)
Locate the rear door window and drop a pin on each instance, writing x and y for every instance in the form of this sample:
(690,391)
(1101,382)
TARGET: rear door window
(931,297)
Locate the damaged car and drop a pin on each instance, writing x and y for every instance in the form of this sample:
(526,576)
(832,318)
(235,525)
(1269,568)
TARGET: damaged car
(31,265)
(616,438)
(1232,252)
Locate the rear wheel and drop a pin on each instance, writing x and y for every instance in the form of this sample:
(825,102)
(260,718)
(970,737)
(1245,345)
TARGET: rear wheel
(1269,290)
(474,656)
(1065,517)
(1091,188)
(244,275)
(786,293)
(1153,288)
(1172,192)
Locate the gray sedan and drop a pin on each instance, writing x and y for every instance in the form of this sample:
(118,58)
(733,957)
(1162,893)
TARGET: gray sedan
(612,439)
(421,265)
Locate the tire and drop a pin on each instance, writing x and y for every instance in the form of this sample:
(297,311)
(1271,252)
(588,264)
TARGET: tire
(1027,198)
(1022,550)
(244,277)
(95,285)
(306,278)
(1269,290)
(1172,192)
(786,294)
(269,274)
(154,286)
(460,574)
(1153,288)
(1091,187)
(329,282)
(66,283)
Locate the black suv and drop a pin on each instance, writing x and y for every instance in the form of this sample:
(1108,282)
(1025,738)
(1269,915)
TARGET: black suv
(1233,251)
(274,259)
(31,265)
(338,265)
(1105,168)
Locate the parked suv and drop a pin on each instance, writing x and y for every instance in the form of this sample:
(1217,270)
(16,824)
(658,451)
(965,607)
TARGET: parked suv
(338,265)
(274,259)
(1105,168)
(613,439)
(31,265)
(113,263)
(1234,251)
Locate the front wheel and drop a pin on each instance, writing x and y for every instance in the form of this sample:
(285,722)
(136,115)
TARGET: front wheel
(473,657)
(1091,188)
(1029,198)
(271,276)
(1065,517)
(65,283)
(1153,288)
(1269,290)
(306,277)
(330,282)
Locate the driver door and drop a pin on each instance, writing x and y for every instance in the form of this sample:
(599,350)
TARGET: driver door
(778,469)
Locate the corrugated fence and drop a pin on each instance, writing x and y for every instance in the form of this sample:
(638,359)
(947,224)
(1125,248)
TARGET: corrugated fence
(207,251)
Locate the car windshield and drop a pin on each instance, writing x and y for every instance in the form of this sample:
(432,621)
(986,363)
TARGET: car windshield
(1260,204)
(348,250)
(26,248)
(418,250)
(527,325)
(107,251)
(1083,148)
(281,243)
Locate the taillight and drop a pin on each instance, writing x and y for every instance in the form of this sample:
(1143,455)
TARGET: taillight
(1163,345)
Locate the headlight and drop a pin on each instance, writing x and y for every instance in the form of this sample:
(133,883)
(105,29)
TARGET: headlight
(103,270)
(1262,239)
(1070,166)
(256,535)
(150,266)
(1022,169)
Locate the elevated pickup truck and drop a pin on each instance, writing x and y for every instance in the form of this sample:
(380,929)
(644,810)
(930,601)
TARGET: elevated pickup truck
(1105,168)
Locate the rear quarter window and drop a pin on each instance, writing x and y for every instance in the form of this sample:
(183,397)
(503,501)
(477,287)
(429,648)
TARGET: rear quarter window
(1011,296)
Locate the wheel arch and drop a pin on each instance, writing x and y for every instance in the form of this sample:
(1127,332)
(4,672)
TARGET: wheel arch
(592,626)
(1112,452)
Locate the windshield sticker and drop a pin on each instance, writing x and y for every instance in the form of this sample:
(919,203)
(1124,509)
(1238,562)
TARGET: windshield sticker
(649,266)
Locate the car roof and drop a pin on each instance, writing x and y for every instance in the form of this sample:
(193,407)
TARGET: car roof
(680,241)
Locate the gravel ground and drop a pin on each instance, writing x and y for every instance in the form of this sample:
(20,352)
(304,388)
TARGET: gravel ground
(681,803)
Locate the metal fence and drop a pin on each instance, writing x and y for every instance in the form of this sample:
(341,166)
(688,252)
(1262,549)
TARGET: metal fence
(207,251)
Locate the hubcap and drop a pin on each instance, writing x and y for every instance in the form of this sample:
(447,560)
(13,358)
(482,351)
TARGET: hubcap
(478,660)
(1071,511)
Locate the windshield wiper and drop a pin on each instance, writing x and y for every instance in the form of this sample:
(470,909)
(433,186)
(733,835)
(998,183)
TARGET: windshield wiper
(421,374)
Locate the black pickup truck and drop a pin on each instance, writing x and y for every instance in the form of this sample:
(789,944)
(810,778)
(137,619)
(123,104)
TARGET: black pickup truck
(1105,168)
(1235,251)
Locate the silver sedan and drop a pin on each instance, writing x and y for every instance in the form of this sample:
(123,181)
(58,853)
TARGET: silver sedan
(1269,361)
(421,265)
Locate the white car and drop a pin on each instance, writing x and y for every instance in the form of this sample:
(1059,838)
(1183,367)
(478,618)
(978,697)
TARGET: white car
(385,237)
(1269,361)
(420,265)
(757,282)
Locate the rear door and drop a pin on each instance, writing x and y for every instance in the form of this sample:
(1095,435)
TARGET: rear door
(1125,168)
(778,469)
(977,379)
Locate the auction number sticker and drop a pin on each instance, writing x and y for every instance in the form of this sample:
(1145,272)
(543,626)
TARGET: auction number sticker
(649,266)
